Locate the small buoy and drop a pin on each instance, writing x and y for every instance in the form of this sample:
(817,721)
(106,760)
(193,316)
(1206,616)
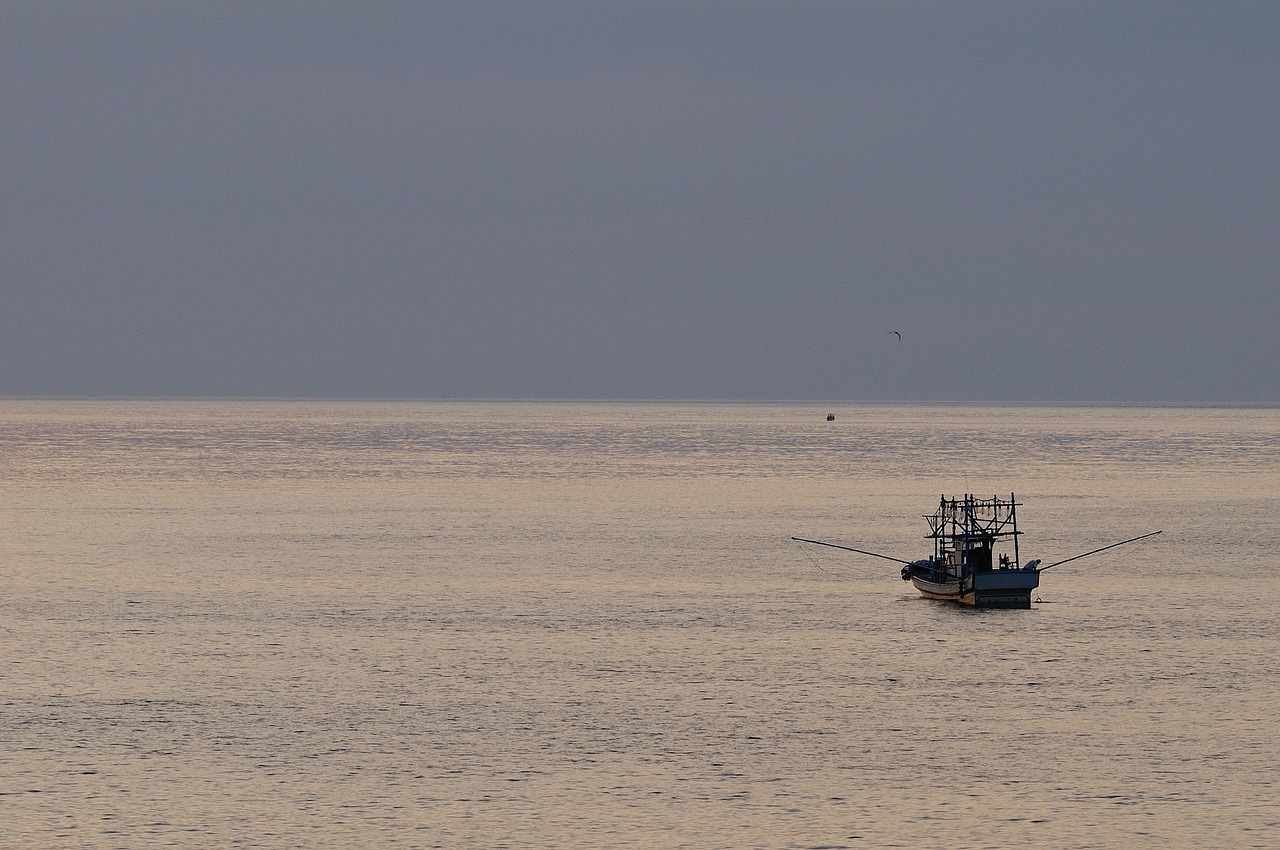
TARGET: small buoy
(831,417)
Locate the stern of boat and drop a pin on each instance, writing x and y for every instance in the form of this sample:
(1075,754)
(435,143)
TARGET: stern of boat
(1000,589)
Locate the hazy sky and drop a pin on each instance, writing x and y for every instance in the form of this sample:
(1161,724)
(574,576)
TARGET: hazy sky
(1050,201)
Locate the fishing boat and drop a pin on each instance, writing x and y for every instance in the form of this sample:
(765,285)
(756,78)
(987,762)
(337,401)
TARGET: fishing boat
(975,554)
(966,565)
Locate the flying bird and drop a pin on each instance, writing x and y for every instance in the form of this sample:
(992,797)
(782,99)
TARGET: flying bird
(895,333)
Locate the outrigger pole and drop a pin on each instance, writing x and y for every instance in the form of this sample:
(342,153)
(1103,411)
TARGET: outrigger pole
(1096,551)
(860,551)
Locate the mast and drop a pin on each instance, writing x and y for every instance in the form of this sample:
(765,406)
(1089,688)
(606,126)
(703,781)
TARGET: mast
(1013,518)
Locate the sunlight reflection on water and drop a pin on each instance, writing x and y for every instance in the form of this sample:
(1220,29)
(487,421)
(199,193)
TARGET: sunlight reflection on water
(308,624)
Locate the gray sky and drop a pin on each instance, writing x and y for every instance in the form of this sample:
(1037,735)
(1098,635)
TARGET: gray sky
(1050,201)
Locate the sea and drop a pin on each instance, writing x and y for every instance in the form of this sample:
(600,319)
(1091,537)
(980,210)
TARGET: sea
(446,624)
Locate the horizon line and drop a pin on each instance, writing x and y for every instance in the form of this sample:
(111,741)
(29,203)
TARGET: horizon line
(634,400)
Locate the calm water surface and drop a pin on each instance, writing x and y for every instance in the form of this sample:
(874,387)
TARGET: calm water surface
(298,625)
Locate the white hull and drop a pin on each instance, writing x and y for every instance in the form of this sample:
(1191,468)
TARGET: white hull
(996,589)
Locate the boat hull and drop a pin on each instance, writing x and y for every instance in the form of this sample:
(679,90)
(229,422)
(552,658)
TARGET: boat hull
(996,589)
